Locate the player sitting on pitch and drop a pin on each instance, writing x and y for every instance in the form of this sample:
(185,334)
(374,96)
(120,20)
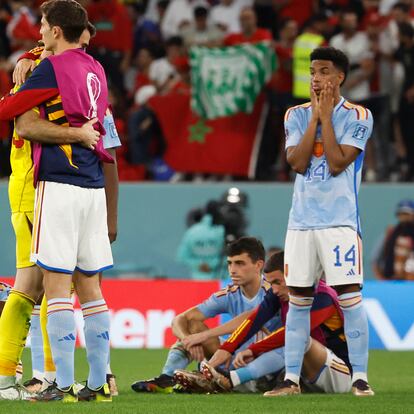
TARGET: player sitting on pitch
(326,363)
(245,263)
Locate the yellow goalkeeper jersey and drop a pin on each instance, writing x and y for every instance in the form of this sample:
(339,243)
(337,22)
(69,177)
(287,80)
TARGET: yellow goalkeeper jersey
(21,187)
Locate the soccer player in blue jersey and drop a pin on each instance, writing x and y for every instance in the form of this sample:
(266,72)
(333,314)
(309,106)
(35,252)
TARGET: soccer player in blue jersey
(325,143)
(245,259)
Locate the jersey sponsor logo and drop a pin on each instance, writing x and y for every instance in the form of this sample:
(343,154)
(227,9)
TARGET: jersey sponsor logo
(360,132)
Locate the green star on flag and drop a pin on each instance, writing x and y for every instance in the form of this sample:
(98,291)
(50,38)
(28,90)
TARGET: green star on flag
(199,131)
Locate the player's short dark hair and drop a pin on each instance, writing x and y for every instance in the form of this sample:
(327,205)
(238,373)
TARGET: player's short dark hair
(91,29)
(275,262)
(336,56)
(406,29)
(250,245)
(69,15)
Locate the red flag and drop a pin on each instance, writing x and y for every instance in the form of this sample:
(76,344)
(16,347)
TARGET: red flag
(227,145)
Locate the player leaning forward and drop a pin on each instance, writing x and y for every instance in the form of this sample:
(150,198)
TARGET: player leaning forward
(70,232)
(325,142)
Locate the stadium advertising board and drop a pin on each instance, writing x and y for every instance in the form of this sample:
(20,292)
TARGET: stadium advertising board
(142,311)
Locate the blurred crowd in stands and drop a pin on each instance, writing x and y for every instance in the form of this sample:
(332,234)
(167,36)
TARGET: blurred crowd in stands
(143,46)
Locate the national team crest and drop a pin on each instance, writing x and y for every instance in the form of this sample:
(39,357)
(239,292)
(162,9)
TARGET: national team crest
(360,132)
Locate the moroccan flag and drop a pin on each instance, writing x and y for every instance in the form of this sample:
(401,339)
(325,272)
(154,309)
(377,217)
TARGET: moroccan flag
(227,145)
(228,80)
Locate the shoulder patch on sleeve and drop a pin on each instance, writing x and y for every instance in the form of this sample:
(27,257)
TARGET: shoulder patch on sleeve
(226,290)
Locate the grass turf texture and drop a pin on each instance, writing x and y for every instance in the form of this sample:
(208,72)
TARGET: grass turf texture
(391,376)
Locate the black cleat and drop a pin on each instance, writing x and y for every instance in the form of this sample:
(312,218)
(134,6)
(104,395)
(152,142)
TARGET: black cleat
(102,394)
(53,393)
(163,385)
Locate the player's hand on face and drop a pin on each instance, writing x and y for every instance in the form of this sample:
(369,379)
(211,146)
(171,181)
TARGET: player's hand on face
(326,102)
(22,70)
(243,358)
(220,357)
(197,353)
(315,105)
(194,339)
(89,136)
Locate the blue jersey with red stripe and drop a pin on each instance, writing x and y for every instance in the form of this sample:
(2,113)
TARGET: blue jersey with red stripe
(70,163)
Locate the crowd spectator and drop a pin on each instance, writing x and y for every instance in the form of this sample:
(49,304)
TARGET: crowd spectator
(355,44)
(200,32)
(146,32)
(22,28)
(311,38)
(162,70)
(112,44)
(280,98)
(226,15)
(393,258)
(299,10)
(405,55)
(249,32)
(179,13)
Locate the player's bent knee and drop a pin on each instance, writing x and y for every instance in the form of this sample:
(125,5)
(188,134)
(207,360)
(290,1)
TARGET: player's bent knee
(196,326)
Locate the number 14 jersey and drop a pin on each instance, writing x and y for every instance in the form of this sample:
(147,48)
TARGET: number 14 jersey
(321,200)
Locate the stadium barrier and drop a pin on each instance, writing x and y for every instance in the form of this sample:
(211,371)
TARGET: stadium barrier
(152,221)
(142,311)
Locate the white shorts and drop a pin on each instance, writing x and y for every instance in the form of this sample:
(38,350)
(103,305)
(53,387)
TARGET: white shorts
(333,254)
(70,229)
(335,376)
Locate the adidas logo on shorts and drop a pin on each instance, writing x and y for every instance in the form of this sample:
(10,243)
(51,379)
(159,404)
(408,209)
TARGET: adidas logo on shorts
(351,273)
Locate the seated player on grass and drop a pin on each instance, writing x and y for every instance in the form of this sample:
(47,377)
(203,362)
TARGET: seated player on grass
(326,364)
(245,259)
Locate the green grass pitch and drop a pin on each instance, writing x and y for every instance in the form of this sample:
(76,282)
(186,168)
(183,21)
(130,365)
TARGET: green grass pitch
(391,376)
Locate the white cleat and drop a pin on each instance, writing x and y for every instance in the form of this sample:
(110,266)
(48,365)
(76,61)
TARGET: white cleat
(361,388)
(15,393)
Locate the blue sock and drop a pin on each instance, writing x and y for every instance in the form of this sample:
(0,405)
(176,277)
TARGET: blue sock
(36,344)
(267,363)
(62,336)
(356,331)
(176,359)
(297,335)
(96,330)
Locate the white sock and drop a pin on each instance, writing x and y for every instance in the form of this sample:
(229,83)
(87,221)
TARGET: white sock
(234,378)
(108,369)
(359,375)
